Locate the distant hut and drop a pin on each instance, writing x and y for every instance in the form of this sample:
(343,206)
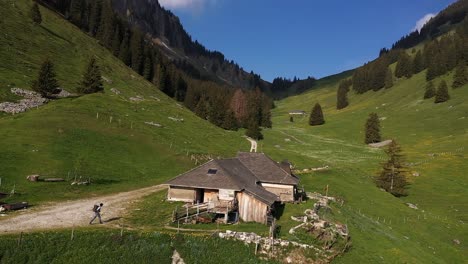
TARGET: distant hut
(297,113)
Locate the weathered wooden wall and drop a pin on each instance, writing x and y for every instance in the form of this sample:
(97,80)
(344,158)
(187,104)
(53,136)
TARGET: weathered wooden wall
(285,192)
(251,209)
(181,194)
(210,196)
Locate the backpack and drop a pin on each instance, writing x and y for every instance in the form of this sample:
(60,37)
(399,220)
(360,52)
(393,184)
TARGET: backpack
(95,208)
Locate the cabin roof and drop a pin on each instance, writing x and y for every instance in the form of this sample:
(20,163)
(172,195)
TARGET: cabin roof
(266,169)
(243,173)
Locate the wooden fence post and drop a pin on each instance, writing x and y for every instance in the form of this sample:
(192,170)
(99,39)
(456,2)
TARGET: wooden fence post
(20,238)
(121,227)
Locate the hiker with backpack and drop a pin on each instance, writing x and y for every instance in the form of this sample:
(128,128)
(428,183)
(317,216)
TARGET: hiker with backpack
(97,213)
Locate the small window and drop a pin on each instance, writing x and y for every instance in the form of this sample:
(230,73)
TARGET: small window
(212,171)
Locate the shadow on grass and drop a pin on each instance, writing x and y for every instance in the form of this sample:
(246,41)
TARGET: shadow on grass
(112,219)
(279,210)
(55,34)
(103,181)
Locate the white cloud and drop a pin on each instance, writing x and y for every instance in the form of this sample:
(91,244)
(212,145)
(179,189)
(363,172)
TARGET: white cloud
(421,22)
(190,5)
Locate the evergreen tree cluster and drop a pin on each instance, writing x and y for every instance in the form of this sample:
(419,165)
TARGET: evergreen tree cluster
(342,94)
(461,76)
(445,54)
(453,14)
(96,17)
(374,75)
(438,56)
(47,85)
(209,100)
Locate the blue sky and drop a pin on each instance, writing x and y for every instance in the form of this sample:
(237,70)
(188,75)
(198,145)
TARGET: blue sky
(300,37)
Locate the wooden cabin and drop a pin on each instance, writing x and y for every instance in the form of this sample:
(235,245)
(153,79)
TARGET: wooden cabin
(250,184)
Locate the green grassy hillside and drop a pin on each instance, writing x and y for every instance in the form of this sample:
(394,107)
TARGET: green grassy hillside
(71,137)
(434,138)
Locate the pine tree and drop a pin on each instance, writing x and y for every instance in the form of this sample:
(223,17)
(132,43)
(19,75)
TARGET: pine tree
(165,84)
(92,80)
(181,89)
(393,175)
(388,78)
(342,94)
(201,109)
(254,131)
(266,111)
(35,14)
(442,94)
(95,17)
(316,116)
(76,12)
(136,48)
(418,62)
(404,67)
(148,65)
(230,121)
(116,41)
(430,90)
(124,51)
(461,76)
(372,129)
(46,84)
(106,26)
(238,105)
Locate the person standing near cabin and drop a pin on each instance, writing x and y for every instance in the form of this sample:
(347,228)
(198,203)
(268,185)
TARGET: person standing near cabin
(97,213)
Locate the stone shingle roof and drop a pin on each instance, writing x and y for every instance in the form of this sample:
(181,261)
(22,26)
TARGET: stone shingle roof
(241,173)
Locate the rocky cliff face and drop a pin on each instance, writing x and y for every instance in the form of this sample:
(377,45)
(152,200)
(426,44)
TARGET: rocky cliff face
(167,31)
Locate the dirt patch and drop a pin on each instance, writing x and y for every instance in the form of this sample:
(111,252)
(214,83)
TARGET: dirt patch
(74,213)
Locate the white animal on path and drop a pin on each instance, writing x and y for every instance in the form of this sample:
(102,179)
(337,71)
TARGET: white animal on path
(253,144)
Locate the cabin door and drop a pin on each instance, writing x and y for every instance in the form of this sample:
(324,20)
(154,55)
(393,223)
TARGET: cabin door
(200,193)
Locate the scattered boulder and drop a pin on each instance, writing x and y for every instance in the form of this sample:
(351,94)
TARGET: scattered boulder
(33,178)
(456,241)
(176,259)
(31,100)
(107,80)
(155,98)
(64,94)
(153,124)
(380,144)
(115,91)
(412,206)
(176,119)
(137,99)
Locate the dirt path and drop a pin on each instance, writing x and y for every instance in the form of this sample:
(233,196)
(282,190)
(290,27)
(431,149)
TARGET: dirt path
(74,213)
